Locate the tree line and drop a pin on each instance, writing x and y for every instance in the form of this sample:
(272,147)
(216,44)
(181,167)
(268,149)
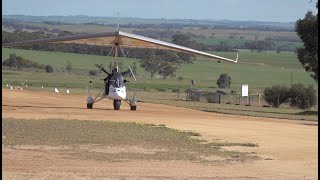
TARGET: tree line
(19,62)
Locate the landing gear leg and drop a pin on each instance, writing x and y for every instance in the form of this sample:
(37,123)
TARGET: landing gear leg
(116,104)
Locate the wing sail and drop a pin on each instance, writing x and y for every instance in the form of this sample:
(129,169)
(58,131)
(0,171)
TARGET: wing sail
(104,39)
(145,42)
(123,39)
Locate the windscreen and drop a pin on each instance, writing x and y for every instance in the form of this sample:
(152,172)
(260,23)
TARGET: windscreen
(117,80)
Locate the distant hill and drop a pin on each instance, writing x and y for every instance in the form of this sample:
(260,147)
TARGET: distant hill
(81,19)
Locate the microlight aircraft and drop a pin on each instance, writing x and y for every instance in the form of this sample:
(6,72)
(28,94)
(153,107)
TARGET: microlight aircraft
(114,84)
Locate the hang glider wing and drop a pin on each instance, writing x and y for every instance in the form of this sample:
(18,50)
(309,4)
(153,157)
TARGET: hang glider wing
(122,39)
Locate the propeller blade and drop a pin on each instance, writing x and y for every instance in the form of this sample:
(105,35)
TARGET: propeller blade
(126,72)
(101,68)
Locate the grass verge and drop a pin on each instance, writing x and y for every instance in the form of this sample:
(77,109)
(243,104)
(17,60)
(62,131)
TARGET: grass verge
(255,111)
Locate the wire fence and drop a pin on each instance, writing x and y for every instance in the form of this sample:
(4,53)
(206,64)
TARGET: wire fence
(236,99)
(55,69)
(191,95)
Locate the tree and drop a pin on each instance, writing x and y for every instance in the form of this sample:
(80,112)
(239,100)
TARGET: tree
(65,33)
(223,43)
(150,63)
(224,81)
(49,69)
(307,30)
(163,62)
(185,58)
(166,70)
(12,60)
(20,62)
(183,40)
(259,45)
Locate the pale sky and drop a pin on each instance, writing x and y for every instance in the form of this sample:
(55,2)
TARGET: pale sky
(255,10)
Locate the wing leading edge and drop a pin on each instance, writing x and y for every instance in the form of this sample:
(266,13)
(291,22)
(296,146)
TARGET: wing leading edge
(123,39)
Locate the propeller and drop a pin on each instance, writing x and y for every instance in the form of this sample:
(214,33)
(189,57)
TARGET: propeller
(101,68)
(125,72)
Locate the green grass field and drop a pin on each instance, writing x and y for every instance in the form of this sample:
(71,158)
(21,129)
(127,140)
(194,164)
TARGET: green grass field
(259,70)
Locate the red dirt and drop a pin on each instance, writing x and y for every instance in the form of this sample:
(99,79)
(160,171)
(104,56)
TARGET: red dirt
(289,147)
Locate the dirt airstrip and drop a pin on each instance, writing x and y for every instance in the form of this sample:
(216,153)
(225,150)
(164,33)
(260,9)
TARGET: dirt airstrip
(289,148)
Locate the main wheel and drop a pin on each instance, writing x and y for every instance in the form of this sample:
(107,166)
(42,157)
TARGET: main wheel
(90,102)
(116,104)
(89,106)
(133,108)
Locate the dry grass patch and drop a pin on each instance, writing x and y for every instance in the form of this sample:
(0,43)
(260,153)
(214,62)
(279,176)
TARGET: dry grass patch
(114,141)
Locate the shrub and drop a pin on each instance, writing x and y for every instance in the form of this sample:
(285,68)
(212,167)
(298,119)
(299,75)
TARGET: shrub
(224,81)
(93,72)
(160,89)
(180,78)
(69,68)
(145,88)
(48,68)
(302,97)
(211,97)
(175,90)
(276,95)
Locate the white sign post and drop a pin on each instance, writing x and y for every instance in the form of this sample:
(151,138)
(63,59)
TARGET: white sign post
(245,91)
